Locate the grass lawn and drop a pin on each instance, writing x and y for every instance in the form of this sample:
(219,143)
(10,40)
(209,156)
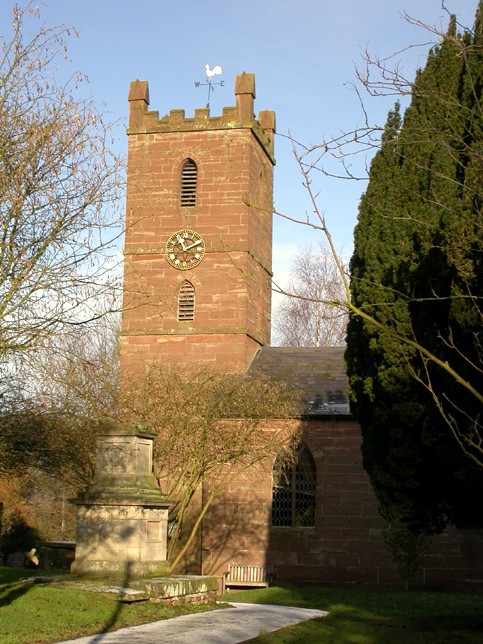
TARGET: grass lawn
(38,614)
(374,617)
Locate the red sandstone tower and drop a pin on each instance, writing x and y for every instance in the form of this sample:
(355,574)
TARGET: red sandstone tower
(197,257)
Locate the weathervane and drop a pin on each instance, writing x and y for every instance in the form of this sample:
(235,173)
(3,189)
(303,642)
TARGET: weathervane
(209,75)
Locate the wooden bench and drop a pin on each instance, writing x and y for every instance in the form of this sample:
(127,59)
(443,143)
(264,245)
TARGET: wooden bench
(243,575)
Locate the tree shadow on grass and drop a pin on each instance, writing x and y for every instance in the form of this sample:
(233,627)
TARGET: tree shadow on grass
(457,628)
(346,625)
(10,592)
(11,586)
(119,605)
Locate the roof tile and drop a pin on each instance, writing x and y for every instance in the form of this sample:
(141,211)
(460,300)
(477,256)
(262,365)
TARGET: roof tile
(318,372)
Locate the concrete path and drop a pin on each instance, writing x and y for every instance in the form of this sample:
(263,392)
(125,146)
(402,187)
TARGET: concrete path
(224,626)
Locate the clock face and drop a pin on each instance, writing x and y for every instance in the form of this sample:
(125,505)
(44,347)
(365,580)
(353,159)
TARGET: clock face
(185,249)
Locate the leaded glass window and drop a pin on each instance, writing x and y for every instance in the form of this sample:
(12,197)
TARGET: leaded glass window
(293,492)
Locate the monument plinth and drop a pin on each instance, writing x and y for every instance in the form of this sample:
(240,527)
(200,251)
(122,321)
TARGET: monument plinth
(122,519)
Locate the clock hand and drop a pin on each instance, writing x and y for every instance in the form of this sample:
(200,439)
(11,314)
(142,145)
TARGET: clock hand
(191,245)
(181,242)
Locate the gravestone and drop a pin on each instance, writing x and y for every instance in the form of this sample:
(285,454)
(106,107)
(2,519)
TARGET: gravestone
(16,560)
(122,519)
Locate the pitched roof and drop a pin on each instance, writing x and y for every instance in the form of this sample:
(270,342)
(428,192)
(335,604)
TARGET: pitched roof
(319,373)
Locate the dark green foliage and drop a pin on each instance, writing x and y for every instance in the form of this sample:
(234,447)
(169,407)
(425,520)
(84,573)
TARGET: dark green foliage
(18,536)
(417,271)
(408,549)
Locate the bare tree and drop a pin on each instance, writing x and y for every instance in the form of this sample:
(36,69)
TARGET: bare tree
(306,319)
(43,500)
(211,428)
(65,390)
(58,182)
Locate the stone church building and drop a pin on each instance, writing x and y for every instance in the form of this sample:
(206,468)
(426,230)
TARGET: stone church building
(189,230)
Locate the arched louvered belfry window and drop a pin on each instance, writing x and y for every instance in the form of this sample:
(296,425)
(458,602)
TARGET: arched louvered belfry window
(293,491)
(189,176)
(186,302)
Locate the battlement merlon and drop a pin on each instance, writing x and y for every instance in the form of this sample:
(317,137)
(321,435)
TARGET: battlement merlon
(142,121)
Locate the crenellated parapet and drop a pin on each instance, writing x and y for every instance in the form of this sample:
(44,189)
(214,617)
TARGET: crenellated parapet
(144,121)
(212,176)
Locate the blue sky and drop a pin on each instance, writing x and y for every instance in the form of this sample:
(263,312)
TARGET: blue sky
(302,53)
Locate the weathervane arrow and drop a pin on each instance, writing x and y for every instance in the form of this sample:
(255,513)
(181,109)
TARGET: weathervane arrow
(209,75)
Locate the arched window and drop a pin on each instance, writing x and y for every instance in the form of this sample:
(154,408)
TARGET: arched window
(189,176)
(186,302)
(293,492)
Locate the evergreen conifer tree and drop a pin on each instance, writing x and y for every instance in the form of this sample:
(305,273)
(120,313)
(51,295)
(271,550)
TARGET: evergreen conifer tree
(417,270)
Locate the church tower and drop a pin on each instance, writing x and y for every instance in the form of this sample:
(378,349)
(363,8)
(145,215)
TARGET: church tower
(198,244)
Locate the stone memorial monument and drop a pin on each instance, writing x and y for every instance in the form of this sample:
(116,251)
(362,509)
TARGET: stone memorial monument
(122,519)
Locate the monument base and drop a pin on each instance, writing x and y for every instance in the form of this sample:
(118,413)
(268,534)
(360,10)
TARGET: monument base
(122,518)
(121,570)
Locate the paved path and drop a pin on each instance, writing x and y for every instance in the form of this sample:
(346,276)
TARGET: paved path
(224,626)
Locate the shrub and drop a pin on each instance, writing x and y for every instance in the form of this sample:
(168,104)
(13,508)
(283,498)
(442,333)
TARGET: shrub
(18,535)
